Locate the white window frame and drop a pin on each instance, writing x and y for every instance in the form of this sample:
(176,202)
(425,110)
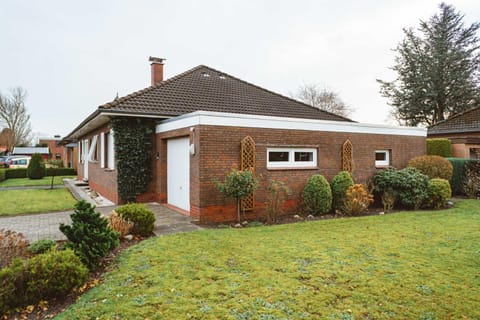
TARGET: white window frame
(291,163)
(382,163)
(111,151)
(102,150)
(93,149)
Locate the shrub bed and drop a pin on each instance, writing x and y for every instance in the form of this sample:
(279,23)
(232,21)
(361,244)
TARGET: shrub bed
(432,166)
(317,195)
(142,218)
(340,184)
(438,192)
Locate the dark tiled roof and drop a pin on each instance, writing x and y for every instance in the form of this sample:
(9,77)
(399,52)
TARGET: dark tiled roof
(207,89)
(468,121)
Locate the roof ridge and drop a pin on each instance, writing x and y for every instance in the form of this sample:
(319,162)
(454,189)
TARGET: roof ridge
(117,101)
(275,93)
(456,115)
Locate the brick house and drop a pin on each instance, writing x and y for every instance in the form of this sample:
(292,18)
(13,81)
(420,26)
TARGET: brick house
(463,130)
(203,119)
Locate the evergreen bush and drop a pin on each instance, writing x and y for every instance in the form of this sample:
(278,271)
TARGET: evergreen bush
(41,246)
(433,166)
(60,172)
(438,192)
(457,181)
(2,175)
(471,185)
(439,147)
(142,218)
(340,184)
(89,235)
(317,195)
(15,173)
(407,186)
(42,277)
(36,167)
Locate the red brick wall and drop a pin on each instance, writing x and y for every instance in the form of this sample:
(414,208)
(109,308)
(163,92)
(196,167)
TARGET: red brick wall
(102,180)
(54,149)
(219,150)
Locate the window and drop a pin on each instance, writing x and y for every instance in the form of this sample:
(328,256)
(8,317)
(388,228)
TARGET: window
(382,158)
(291,157)
(58,156)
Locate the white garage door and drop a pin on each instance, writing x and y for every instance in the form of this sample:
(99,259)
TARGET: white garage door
(178,173)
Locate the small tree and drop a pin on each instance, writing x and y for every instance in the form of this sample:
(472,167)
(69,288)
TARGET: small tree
(89,235)
(277,192)
(36,167)
(238,184)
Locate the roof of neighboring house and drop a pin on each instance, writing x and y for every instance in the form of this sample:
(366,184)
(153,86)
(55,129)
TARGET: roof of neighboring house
(467,121)
(30,150)
(206,89)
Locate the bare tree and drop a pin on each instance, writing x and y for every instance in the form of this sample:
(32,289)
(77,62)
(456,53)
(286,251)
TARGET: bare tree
(14,116)
(323,99)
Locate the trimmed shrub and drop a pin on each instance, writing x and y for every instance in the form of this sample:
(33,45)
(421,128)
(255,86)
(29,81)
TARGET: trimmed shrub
(119,224)
(142,218)
(2,175)
(457,181)
(357,200)
(433,166)
(55,163)
(15,173)
(317,195)
(439,147)
(36,167)
(41,246)
(12,245)
(408,186)
(45,276)
(438,192)
(471,185)
(340,184)
(60,172)
(89,235)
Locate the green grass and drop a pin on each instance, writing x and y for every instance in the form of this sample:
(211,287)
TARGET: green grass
(410,265)
(34,200)
(25,182)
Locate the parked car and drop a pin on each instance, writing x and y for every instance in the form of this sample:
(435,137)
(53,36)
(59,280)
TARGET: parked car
(18,162)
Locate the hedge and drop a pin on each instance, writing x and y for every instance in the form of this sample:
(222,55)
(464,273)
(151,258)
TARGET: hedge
(439,147)
(2,175)
(458,176)
(22,172)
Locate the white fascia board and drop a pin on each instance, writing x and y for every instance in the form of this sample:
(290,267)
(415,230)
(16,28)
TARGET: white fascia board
(268,122)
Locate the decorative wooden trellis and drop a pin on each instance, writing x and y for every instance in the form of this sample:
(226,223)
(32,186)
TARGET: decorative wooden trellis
(347,156)
(247,162)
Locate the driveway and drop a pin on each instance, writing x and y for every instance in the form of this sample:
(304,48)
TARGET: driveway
(45,225)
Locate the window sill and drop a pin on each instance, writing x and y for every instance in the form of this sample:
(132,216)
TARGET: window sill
(383,167)
(292,168)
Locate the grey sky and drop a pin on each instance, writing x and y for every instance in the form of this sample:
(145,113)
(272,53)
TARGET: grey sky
(72,56)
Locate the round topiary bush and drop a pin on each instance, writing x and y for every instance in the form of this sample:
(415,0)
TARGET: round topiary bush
(438,192)
(142,218)
(433,166)
(317,195)
(36,167)
(340,184)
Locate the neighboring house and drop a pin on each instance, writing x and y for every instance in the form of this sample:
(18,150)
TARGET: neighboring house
(463,130)
(203,120)
(28,151)
(58,151)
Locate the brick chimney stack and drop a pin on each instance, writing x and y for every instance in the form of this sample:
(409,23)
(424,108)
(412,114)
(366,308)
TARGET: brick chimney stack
(156,69)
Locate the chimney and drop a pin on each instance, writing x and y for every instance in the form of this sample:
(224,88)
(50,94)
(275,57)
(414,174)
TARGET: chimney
(156,69)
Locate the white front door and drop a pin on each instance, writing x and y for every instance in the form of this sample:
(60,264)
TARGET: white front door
(178,173)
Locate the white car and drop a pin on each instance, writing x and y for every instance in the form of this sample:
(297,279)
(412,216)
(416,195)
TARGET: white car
(20,162)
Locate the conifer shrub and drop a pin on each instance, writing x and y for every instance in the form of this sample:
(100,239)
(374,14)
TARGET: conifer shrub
(357,200)
(433,166)
(340,184)
(471,184)
(89,235)
(439,147)
(42,277)
(142,218)
(438,192)
(317,195)
(457,181)
(36,167)
(407,186)
(15,173)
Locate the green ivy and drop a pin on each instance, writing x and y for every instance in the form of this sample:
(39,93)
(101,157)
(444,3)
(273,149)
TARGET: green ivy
(133,148)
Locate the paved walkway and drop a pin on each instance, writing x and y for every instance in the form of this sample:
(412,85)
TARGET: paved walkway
(46,225)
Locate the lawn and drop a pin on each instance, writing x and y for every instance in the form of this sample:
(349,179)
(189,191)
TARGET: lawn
(409,265)
(35,200)
(25,182)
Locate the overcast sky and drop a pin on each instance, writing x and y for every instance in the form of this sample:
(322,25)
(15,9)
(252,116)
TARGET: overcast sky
(72,56)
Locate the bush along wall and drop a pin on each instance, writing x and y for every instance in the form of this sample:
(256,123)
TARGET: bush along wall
(458,177)
(133,145)
(439,147)
(22,172)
